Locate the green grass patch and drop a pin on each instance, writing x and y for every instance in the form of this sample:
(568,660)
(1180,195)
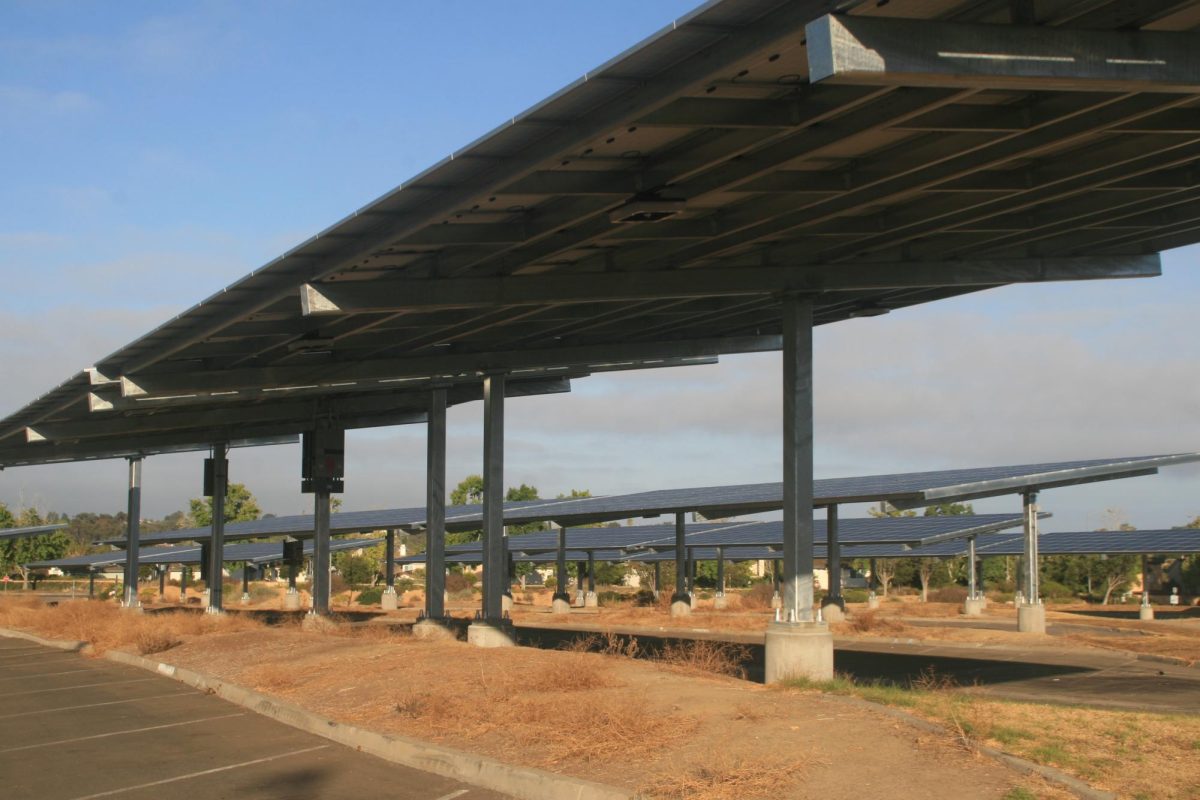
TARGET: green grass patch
(1008,736)
(1019,793)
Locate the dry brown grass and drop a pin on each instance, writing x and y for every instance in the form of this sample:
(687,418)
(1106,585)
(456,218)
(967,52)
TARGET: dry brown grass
(703,657)
(105,626)
(873,623)
(726,778)
(272,677)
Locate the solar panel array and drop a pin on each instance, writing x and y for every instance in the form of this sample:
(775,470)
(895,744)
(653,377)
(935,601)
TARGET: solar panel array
(915,489)
(255,552)
(33,530)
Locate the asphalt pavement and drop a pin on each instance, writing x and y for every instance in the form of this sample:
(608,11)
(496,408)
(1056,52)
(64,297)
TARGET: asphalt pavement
(77,728)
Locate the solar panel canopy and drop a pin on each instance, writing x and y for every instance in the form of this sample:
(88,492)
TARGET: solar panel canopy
(905,489)
(256,552)
(889,155)
(33,530)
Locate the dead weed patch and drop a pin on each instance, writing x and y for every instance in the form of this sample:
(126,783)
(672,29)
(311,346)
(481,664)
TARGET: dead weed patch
(704,657)
(725,778)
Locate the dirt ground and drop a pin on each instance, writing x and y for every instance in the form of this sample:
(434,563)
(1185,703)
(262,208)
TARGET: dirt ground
(667,729)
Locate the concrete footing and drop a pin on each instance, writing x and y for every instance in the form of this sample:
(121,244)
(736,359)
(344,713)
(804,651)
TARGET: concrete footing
(506,604)
(1031,618)
(1146,612)
(245,598)
(291,601)
(681,605)
(590,600)
(561,604)
(799,650)
(389,600)
(873,601)
(204,598)
(486,634)
(833,612)
(720,602)
(973,606)
(692,599)
(433,630)
(776,601)
(133,609)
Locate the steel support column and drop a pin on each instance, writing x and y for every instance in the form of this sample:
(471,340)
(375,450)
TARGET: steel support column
(133,527)
(798,646)
(657,578)
(591,568)
(495,569)
(245,581)
(184,574)
(560,566)
(971,580)
(1032,589)
(580,579)
(91,583)
(833,560)
(435,507)
(680,560)
(216,548)
(389,562)
(1031,614)
(797,459)
(720,570)
(162,581)
(320,560)
(1145,581)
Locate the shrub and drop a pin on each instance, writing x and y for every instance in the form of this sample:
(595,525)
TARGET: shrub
(1053,590)
(644,597)
(551,582)
(405,585)
(457,582)
(855,595)
(759,596)
(370,596)
(610,598)
(948,594)
(259,594)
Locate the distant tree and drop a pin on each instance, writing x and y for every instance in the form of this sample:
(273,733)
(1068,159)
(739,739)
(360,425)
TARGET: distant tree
(240,506)
(885,572)
(469,491)
(950,510)
(16,553)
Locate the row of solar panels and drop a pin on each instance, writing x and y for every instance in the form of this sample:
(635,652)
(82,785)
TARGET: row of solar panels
(1173,541)
(646,544)
(909,490)
(255,553)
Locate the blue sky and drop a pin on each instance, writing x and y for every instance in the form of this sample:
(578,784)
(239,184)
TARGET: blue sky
(154,153)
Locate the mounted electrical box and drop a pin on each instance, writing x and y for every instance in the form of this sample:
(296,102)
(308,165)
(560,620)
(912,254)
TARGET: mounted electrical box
(210,475)
(324,461)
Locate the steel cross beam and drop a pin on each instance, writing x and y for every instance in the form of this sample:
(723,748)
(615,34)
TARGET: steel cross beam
(468,366)
(395,296)
(875,51)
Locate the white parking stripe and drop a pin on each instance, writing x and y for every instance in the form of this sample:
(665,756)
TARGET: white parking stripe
(17,657)
(121,733)
(95,705)
(111,792)
(78,686)
(45,674)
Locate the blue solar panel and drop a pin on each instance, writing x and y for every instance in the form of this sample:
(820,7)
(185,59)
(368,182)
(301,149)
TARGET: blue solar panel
(257,552)
(908,489)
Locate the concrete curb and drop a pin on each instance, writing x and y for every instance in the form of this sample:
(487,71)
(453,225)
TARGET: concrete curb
(1069,782)
(487,773)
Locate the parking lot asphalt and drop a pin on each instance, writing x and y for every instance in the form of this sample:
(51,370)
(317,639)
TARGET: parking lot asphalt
(76,728)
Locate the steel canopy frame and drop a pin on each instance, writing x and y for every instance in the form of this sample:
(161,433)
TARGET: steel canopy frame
(752,139)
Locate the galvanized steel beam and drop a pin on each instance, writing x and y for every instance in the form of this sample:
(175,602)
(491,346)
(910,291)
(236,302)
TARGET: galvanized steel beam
(879,51)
